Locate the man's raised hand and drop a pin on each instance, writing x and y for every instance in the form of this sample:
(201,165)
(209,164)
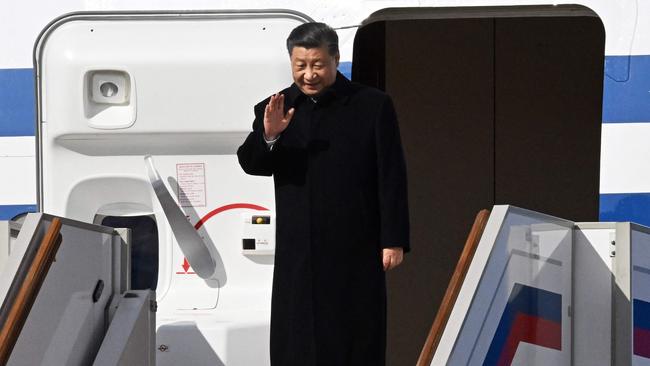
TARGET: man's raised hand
(275,121)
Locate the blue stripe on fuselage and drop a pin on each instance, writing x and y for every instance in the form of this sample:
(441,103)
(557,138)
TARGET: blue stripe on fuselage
(626,92)
(633,207)
(17,106)
(8,212)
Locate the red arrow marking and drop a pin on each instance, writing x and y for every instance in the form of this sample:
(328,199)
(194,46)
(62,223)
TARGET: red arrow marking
(186,264)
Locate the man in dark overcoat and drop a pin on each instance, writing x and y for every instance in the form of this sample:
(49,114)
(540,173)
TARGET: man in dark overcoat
(333,148)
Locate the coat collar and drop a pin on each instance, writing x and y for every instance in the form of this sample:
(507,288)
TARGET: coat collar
(341,89)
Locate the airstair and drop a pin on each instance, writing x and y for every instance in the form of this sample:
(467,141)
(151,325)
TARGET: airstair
(531,289)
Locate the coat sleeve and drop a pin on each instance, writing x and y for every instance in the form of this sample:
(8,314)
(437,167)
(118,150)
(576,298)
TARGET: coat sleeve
(391,180)
(255,156)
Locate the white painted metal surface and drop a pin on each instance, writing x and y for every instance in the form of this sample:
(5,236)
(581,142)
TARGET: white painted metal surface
(130,339)
(625,148)
(17,161)
(592,293)
(30,228)
(4,243)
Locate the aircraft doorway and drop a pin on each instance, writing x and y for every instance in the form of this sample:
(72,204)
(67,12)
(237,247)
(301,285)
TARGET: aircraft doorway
(496,106)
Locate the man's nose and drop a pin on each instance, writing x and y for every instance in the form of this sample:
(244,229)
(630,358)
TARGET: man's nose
(310,74)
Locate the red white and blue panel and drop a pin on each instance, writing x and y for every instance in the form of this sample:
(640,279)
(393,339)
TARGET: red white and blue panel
(516,315)
(641,330)
(533,316)
(640,284)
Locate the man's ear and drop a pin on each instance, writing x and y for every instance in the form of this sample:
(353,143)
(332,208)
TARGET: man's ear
(337,58)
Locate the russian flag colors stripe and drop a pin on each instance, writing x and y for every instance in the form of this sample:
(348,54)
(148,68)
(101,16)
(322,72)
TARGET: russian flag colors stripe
(641,328)
(531,315)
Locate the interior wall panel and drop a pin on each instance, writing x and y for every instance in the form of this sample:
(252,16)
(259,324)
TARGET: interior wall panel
(439,75)
(549,75)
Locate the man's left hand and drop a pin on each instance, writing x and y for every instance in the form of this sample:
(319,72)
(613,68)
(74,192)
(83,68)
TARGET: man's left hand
(392,257)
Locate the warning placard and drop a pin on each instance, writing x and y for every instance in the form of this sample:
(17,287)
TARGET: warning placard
(191,184)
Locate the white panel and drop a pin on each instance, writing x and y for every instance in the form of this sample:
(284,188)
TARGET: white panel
(193,342)
(17,146)
(592,304)
(625,153)
(216,78)
(20,24)
(641,42)
(4,243)
(18,186)
(18,166)
(30,229)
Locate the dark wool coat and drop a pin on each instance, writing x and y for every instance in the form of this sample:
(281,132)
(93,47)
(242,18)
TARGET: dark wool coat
(340,189)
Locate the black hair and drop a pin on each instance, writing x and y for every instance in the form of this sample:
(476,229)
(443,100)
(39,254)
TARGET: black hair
(314,35)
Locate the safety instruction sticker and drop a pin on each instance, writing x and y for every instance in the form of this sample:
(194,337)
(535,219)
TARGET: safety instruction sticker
(191,184)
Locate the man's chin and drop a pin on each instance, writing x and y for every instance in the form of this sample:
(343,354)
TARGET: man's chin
(311,92)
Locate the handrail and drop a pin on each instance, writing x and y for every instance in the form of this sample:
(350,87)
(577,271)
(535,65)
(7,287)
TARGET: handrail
(192,245)
(21,306)
(456,282)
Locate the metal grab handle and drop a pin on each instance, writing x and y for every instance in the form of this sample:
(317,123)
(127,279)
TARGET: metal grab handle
(191,244)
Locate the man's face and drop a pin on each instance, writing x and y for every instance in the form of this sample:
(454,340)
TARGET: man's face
(313,69)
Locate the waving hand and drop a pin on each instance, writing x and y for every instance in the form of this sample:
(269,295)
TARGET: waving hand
(275,121)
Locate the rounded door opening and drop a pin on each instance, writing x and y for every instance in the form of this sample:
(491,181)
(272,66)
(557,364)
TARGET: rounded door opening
(498,105)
